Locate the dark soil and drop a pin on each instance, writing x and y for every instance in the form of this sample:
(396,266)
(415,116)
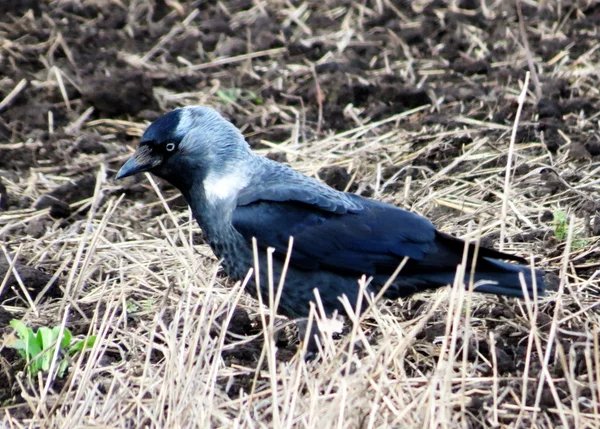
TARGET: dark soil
(121,65)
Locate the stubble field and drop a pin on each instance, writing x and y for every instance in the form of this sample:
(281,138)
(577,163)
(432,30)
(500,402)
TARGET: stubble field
(412,103)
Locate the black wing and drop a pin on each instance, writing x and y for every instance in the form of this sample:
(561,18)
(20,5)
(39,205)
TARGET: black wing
(370,240)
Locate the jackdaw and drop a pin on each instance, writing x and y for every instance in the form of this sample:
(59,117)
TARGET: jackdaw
(236,195)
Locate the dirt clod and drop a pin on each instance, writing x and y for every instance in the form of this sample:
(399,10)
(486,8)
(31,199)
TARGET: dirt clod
(33,279)
(336,177)
(122,92)
(231,47)
(90,144)
(240,323)
(36,228)
(579,151)
(469,67)
(58,208)
(69,193)
(549,108)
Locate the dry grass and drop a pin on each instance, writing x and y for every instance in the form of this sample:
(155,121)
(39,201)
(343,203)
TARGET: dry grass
(166,369)
(134,274)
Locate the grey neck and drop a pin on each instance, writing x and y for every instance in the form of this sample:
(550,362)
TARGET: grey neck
(215,220)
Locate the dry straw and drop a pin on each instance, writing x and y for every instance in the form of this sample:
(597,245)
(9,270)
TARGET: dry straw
(135,276)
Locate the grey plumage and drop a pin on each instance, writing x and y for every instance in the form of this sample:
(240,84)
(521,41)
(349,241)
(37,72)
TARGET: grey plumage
(236,195)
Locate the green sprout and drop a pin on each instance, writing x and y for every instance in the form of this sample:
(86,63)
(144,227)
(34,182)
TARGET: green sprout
(561,224)
(561,230)
(230,96)
(38,348)
(255,98)
(131,307)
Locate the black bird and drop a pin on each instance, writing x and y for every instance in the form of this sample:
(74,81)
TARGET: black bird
(236,195)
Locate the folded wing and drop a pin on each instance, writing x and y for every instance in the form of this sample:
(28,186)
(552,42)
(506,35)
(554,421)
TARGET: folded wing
(371,240)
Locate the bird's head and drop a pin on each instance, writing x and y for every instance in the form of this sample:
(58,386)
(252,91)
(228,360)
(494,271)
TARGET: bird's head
(185,145)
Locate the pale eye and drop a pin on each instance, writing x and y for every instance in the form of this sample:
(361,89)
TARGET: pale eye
(170,147)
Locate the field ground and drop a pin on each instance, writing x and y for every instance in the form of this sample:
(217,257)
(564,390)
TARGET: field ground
(412,103)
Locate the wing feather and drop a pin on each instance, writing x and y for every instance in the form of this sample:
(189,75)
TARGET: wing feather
(372,240)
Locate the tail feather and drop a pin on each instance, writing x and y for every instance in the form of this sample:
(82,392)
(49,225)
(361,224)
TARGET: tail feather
(495,277)
(506,280)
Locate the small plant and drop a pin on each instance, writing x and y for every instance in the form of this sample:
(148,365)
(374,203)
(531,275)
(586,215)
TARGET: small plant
(133,307)
(38,348)
(561,230)
(561,224)
(255,98)
(229,96)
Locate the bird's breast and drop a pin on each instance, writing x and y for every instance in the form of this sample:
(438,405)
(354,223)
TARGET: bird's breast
(230,247)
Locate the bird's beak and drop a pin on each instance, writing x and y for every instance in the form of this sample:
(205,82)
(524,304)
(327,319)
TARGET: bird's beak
(142,160)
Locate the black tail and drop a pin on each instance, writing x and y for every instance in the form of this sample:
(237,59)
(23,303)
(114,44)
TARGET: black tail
(503,279)
(493,274)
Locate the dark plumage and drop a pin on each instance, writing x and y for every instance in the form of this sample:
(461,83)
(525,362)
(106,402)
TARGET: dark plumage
(236,195)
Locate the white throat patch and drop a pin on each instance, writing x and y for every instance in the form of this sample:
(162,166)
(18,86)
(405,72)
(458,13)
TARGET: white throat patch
(224,187)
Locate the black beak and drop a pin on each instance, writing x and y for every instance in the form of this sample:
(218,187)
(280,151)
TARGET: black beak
(142,160)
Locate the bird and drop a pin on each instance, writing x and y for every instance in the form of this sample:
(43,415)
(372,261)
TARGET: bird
(239,198)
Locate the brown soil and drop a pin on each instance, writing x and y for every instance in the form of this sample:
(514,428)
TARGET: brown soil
(95,73)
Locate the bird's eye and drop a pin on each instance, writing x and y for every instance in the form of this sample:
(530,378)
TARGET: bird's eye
(170,147)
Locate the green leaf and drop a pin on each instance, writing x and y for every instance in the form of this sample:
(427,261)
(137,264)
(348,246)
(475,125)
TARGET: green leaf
(32,346)
(62,368)
(255,98)
(66,338)
(131,307)
(22,344)
(35,366)
(560,224)
(18,345)
(84,344)
(20,327)
(148,304)
(47,337)
(229,96)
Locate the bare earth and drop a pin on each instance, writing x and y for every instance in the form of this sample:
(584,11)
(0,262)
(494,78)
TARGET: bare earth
(412,103)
